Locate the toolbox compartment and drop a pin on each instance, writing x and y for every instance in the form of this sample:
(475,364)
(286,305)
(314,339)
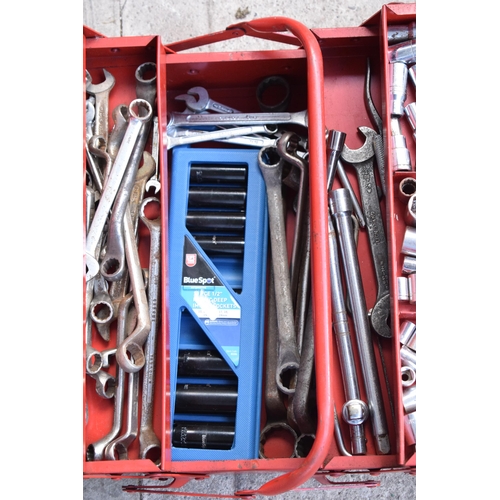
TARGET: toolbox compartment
(232,78)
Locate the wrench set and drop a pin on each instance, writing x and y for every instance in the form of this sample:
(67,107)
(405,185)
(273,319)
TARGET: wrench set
(122,296)
(250,281)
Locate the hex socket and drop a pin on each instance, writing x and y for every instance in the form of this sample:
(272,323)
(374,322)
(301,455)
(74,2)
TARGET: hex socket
(202,363)
(206,435)
(206,398)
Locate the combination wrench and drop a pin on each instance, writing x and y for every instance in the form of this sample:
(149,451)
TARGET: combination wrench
(362,161)
(183,120)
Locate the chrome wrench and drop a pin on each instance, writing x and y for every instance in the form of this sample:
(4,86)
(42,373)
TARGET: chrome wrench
(172,139)
(154,182)
(113,185)
(129,354)
(96,450)
(149,443)
(203,102)
(183,120)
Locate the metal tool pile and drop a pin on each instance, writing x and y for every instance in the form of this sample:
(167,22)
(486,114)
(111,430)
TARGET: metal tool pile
(118,289)
(121,296)
(289,367)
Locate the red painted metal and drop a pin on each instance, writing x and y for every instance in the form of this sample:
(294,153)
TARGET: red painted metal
(345,49)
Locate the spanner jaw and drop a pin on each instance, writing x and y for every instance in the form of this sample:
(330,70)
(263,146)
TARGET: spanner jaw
(380,316)
(93,266)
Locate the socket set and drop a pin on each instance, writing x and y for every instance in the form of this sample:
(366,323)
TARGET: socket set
(218,254)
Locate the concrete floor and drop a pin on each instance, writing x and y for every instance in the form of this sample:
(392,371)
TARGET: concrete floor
(181,20)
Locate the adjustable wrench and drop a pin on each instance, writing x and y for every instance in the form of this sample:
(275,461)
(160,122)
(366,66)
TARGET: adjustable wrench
(362,161)
(101,92)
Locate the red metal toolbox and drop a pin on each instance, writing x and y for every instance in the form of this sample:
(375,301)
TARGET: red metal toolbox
(326,72)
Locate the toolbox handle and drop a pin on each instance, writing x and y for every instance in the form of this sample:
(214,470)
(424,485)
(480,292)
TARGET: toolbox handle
(270,28)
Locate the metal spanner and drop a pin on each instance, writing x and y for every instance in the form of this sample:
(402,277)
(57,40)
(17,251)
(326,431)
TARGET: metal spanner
(175,137)
(149,443)
(203,102)
(101,92)
(154,182)
(113,185)
(271,165)
(362,161)
(183,120)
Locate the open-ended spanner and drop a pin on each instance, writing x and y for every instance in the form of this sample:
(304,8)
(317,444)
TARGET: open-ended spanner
(197,100)
(342,210)
(101,93)
(362,161)
(113,185)
(149,443)
(271,165)
(183,120)
(95,451)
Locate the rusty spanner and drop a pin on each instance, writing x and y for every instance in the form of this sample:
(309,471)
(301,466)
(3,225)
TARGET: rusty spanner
(362,161)
(101,92)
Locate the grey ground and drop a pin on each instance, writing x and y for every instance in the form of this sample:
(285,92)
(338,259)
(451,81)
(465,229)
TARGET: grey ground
(179,20)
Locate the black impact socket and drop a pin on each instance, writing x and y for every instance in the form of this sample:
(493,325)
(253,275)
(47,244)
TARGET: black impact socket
(205,435)
(218,174)
(217,197)
(206,398)
(215,221)
(202,363)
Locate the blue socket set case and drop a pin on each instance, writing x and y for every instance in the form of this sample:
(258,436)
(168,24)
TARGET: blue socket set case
(218,234)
